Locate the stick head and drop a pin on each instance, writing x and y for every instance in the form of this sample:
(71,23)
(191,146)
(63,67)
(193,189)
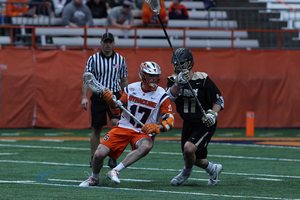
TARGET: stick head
(90,81)
(154,5)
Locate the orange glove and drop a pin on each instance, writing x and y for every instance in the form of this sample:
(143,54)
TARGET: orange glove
(108,97)
(116,111)
(168,122)
(151,128)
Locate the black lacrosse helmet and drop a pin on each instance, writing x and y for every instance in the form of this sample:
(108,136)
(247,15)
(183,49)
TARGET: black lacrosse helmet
(185,57)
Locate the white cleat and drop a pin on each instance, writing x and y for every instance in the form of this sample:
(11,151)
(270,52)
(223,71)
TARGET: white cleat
(180,178)
(113,175)
(213,177)
(89,182)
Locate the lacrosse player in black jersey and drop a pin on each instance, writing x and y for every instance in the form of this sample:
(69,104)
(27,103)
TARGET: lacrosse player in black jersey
(198,127)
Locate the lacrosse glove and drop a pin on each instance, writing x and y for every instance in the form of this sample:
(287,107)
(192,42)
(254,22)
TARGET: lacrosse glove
(211,117)
(182,78)
(117,111)
(108,97)
(152,129)
(167,122)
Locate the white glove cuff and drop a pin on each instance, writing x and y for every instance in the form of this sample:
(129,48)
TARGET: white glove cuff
(212,112)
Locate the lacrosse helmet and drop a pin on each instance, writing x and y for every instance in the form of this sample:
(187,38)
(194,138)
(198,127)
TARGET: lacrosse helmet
(150,75)
(185,57)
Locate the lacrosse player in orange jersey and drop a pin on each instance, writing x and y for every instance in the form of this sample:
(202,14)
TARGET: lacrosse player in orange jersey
(147,102)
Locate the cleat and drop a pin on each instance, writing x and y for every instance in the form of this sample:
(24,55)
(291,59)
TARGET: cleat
(213,177)
(112,163)
(113,175)
(180,178)
(89,182)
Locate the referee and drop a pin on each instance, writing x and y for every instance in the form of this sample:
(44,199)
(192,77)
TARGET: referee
(110,70)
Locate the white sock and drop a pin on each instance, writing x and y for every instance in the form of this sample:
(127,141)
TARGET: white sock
(119,167)
(187,170)
(95,176)
(208,169)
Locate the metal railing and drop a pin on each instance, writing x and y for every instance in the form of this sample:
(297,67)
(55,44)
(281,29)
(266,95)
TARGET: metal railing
(38,37)
(273,29)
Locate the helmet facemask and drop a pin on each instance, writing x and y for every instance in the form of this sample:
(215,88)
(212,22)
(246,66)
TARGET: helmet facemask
(150,75)
(185,57)
(184,65)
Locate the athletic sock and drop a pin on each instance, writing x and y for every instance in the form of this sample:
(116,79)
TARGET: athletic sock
(187,170)
(95,176)
(209,168)
(119,167)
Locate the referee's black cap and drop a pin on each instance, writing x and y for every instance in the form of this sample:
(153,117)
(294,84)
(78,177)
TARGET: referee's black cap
(107,36)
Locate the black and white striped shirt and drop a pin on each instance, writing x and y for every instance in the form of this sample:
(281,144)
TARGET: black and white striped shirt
(108,70)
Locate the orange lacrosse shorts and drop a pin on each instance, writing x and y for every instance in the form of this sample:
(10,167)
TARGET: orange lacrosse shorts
(118,138)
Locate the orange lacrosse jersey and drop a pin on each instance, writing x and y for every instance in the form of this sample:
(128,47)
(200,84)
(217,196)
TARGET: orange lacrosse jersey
(145,106)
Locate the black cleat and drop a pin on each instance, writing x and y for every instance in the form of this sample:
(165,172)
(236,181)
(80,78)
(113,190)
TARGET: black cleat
(112,163)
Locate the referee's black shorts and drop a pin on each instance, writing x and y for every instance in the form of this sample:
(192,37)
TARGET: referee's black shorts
(99,108)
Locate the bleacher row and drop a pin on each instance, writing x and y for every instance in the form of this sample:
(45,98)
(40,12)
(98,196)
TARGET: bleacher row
(288,10)
(199,18)
(213,38)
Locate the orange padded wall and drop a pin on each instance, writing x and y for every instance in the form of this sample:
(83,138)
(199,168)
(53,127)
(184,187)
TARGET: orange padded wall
(43,88)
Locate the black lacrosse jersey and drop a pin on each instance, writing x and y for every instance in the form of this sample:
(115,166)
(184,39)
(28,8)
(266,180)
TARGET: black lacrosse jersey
(206,92)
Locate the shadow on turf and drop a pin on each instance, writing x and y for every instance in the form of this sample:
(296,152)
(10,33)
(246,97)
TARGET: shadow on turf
(107,182)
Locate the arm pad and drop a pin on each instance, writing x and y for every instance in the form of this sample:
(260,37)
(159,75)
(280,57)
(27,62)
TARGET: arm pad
(171,97)
(168,122)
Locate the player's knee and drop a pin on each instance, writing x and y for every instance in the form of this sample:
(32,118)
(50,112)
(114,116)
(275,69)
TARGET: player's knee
(146,147)
(99,155)
(189,149)
(97,131)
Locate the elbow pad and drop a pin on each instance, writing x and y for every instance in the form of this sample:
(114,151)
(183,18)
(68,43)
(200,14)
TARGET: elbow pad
(171,97)
(168,122)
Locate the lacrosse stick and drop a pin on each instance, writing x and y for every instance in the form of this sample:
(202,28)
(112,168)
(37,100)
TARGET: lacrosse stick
(91,82)
(155,7)
(119,103)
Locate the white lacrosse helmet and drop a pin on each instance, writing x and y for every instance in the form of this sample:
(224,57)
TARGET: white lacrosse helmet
(150,75)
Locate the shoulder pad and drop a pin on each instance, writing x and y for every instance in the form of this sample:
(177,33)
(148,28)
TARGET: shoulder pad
(200,75)
(172,77)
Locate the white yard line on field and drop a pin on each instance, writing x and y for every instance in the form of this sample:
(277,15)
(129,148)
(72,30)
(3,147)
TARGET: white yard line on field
(150,191)
(148,169)
(264,179)
(151,152)
(7,154)
(10,134)
(51,140)
(3,181)
(79,181)
(43,147)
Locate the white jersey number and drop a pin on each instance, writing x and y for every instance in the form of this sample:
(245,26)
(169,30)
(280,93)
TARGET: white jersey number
(189,103)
